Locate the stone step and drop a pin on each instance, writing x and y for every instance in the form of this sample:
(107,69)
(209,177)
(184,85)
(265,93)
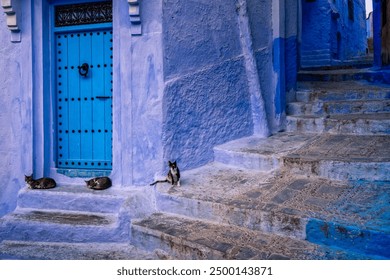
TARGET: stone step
(263,154)
(314,52)
(313,62)
(345,75)
(324,108)
(228,195)
(80,198)
(24,250)
(73,198)
(63,226)
(341,91)
(353,124)
(285,204)
(186,238)
(343,157)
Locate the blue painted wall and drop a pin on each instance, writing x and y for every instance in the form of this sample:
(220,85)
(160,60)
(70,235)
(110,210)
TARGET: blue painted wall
(179,89)
(330,34)
(15,114)
(206,98)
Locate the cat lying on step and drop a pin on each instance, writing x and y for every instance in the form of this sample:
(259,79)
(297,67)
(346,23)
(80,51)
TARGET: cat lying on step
(99,183)
(42,183)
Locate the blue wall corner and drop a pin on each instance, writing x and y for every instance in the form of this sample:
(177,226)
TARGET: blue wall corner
(278,50)
(205,109)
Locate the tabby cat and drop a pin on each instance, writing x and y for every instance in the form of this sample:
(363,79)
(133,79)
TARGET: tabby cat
(173,176)
(99,183)
(42,183)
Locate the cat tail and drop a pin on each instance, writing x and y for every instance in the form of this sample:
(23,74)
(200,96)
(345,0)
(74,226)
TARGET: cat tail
(162,181)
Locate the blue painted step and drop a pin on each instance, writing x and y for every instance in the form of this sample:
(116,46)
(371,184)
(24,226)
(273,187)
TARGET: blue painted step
(186,238)
(72,198)
(345,75)
(323,108)
(262,154)
(352,238)
(341,91)
(281,204)
(63,226)
(352,124)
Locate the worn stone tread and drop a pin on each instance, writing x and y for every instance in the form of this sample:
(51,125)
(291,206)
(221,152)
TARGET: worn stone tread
(22,250)
(187,238)
(281,203)
(347,124)
(80,198)
(62,217)
(277,144)
(63,226)
(339,107)
(348,148)
(257,153)
(340,86)
(351,117)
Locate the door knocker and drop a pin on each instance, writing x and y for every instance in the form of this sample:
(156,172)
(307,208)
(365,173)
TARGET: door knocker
(83,69)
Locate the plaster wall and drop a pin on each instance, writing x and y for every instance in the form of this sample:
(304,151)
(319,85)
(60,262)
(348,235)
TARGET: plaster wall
(206,96)
(331,31)
(316,20)
(180,88)
(353,32)
(141,86)
(15,113)
(292,48)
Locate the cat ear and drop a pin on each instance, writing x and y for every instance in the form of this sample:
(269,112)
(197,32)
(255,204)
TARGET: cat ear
(169,162)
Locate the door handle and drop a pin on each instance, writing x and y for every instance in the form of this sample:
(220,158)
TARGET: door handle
(103,97)
(83,69)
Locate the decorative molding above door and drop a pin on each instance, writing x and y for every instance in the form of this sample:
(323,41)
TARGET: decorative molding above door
(12,12)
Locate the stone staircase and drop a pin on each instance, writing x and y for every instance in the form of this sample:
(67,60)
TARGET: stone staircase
(347,107)
(71,222)
(320,190)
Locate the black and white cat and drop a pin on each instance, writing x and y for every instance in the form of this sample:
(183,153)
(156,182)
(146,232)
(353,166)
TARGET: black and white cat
(42,183)
(99,183)
(173,176)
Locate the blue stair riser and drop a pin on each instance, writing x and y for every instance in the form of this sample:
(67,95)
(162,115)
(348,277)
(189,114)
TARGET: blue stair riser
(338,108)
(307,95)
(338,126)
(369,76)
(349,238)
(71,202)
(338,170)
(247,160)
(35,231)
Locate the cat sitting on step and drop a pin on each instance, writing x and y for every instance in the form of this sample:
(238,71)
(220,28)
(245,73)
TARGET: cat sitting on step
(99,183)
(42,183)
(173,176)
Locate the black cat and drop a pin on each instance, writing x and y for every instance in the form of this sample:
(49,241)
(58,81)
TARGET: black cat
(173,176)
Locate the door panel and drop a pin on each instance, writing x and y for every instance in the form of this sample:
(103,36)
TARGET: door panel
(84,99)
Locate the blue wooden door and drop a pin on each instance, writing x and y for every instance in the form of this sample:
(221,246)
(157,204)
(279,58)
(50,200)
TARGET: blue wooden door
(84,99)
